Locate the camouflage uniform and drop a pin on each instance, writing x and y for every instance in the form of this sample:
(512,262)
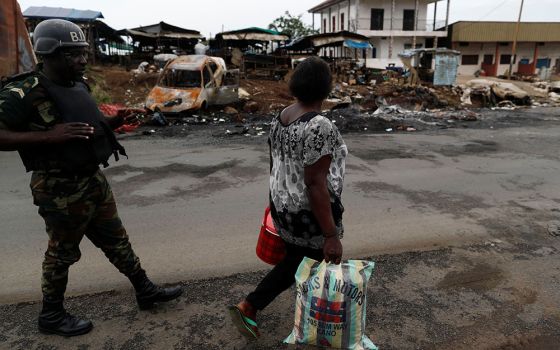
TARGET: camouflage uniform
(72,205)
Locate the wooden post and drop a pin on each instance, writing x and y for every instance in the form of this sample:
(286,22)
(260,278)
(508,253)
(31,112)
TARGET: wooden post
(514,47)
(92,42)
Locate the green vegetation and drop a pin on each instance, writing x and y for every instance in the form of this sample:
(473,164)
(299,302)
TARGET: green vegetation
(98,87)
(292,26)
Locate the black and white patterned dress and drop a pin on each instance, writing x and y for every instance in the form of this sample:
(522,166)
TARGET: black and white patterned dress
(292,148)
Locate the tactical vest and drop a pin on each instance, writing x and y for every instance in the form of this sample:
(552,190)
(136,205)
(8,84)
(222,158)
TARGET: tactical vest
(76,105)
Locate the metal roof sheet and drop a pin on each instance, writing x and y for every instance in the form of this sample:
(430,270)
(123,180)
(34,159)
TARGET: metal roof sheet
(45,12)
(163,27)
(253,33)
(505,31)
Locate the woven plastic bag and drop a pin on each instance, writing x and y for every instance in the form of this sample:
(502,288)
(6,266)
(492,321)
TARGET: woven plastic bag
(331,305)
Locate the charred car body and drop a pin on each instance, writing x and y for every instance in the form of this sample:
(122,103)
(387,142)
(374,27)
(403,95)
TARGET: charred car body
(193,82)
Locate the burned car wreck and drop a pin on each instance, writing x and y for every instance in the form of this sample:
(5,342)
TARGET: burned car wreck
(193,82)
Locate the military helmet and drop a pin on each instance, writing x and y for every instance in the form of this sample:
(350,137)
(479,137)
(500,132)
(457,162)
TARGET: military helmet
(51,34)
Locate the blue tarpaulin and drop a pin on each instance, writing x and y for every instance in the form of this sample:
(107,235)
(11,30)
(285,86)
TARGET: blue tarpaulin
(357,44)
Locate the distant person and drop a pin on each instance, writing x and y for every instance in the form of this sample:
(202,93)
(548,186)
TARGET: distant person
(307,165)
(51,119)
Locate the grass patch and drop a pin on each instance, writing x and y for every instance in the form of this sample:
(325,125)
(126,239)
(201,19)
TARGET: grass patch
(98,87)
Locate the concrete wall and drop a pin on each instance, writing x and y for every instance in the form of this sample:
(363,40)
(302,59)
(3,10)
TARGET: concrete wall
(364,15)
(336,11)
(364,19)
(524,51)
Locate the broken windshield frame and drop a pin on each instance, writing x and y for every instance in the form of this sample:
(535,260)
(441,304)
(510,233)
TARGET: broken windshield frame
(180,78)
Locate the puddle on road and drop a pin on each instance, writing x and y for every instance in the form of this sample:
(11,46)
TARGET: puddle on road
(472,147)
(381,154)
(151,173)
(479,278)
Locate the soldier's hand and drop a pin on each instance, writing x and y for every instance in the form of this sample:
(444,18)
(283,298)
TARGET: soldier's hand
(64,132)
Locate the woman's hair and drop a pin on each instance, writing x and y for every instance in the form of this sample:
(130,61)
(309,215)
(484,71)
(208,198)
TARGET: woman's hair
(311,81)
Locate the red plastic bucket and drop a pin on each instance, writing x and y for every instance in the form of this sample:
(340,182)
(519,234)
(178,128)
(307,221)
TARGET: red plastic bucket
(270,247)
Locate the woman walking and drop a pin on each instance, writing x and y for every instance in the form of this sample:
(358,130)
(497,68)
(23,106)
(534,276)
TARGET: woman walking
(307,164)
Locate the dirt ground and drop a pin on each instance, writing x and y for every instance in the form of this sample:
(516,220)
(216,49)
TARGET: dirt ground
(494,295)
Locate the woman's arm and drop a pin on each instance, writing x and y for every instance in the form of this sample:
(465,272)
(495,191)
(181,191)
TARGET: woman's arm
(315,177)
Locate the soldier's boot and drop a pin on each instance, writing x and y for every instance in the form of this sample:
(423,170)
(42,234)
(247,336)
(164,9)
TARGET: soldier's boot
(148,293)
(53,319)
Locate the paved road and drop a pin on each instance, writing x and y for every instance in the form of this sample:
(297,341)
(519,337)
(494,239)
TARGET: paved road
(193,207)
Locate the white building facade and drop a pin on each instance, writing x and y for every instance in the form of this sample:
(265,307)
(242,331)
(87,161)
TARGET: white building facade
(391,25)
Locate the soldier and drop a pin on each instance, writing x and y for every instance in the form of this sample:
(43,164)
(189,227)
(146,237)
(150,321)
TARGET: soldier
(50,118)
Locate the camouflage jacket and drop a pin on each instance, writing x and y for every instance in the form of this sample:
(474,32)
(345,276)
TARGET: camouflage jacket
(26,106)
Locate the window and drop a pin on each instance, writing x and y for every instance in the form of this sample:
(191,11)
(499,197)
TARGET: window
(469,60)
(505,59)
(408,19)
(342,21)
(374,53)
(377,19)
(463,44)
(324,25)
(181,78)
(488,59)
(543,63)
(334,23)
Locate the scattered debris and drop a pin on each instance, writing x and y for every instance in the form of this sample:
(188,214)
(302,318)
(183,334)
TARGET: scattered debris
(488,93)
(251,107)
(243,94)
(230,110)
(554,229)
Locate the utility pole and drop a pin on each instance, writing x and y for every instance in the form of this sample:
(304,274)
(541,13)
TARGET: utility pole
(514,47)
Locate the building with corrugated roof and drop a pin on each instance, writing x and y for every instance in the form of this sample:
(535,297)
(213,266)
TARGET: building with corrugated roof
(487,46)
(98,33)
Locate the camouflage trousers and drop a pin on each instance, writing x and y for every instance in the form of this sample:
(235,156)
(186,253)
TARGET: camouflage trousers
(72,208)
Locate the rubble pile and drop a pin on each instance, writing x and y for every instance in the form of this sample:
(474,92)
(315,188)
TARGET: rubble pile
(387,105)
(550,89)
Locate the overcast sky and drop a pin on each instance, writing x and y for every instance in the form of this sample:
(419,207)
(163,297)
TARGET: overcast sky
(208,16)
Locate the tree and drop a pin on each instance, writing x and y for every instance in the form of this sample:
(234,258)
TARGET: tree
(292,26)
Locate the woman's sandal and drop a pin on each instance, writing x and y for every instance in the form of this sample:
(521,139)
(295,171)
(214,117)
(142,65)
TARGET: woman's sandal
(247,326)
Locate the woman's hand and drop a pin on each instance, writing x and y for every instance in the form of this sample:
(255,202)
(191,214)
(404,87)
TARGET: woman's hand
(332,249)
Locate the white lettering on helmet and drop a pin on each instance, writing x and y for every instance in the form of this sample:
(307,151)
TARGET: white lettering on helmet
(77,36)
